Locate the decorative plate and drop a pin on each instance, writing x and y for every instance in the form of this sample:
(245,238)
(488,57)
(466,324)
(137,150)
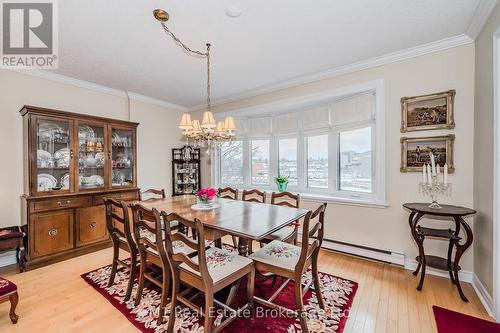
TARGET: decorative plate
(62,157)
(64,181)
(85,132)
(46,182)
(95,180)
(43,155)
(99,158)
(200,206)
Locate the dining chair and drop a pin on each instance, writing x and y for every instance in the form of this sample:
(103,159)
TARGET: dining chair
(289,233)
(208,272)
(232,194)
(254,196)
(148,230)
(292,261)
(228,193)
(119,228)
(152,194)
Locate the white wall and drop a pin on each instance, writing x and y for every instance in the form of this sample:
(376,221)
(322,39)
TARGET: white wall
(388,227)
(483,152)
(157,133)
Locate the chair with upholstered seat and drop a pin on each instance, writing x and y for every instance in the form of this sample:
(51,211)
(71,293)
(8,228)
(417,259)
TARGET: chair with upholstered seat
(208,272)
(291,262)
(147,228)
(8,292)
(253,196)
(119,228)
(289,233)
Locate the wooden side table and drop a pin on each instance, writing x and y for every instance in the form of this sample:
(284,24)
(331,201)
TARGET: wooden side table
(419,233)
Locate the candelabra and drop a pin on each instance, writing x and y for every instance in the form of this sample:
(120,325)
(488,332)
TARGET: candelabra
(435,188)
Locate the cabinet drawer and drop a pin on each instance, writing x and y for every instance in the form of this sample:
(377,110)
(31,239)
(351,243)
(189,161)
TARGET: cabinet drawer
(91,225)
(127,196)
(51,232)
(58,203)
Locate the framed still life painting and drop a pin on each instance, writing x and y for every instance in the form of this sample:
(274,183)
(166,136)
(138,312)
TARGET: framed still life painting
(415,152)
(427,112)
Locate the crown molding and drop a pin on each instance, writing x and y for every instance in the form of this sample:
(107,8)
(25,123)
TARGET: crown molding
(481,15)
(98,88)
(436,46)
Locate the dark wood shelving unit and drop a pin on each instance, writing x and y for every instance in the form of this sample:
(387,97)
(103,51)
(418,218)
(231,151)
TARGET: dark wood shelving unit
(186,173)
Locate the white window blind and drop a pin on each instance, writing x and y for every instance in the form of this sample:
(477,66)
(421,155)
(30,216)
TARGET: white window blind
(317,117)
(285,122)
(259,126)
(353,109)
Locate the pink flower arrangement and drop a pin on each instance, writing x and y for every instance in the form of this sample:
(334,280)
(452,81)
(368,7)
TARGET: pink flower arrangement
(206,194)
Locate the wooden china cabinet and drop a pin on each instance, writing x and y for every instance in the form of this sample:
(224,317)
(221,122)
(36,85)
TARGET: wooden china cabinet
(71,162)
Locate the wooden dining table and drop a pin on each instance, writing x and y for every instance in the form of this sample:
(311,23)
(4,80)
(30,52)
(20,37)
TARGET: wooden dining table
(247,220)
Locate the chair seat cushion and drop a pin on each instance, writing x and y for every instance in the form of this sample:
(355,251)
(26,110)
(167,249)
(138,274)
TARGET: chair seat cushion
(10,232)
(278,254)
(282,234)
(221,263)
(6,287)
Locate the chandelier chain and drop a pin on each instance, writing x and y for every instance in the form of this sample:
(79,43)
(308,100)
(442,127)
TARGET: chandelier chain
(208,78)
(184,46)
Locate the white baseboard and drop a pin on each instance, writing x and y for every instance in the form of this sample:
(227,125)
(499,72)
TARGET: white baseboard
(8,258)
(483,295)
(390,256)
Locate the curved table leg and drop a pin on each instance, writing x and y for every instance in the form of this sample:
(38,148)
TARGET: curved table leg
(419,239)
(459,222)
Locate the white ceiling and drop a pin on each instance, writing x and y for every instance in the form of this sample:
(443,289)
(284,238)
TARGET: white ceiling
(118,44)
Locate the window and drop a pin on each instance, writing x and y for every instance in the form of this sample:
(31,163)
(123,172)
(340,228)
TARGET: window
(329,148)
(317,161)
(287,160)
(260,162)
(231,162)
(356,160)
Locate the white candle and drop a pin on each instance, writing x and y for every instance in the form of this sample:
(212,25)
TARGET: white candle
(446,173)
(438,169)
(429,174)
(424,174)
(433,164)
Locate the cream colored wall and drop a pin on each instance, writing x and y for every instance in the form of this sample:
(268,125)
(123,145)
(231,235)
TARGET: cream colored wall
(388,227)
(483,152)
(157,133)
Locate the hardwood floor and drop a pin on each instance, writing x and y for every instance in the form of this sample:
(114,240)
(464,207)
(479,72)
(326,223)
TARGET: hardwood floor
(55,299)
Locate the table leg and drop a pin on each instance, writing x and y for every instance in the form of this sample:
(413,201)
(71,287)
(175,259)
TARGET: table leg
(459,222)
(243,250)
(450,253)
(243,247)
(419,239)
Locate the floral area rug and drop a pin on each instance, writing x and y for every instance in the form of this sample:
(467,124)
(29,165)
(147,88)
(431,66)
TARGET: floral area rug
(338,295)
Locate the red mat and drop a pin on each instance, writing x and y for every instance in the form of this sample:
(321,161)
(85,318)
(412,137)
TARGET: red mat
(338,295)
(448,321)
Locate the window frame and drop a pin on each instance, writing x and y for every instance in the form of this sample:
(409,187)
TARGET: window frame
(376,198)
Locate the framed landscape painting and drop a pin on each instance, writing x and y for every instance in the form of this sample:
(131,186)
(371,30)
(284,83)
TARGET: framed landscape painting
(427,112)
(415,152)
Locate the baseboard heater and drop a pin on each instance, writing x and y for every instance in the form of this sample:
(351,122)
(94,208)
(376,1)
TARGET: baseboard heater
(388,256)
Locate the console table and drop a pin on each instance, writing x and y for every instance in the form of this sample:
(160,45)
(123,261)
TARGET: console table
(419,233)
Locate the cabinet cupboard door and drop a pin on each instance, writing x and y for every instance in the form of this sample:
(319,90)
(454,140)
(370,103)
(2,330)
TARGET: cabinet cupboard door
(51,232)
(91,225)
(52,156)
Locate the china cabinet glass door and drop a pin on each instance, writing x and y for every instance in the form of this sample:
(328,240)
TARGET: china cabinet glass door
(54,155)
(91,156)
(122,157)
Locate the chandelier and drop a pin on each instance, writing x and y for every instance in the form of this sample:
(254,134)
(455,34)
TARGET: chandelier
(208,132)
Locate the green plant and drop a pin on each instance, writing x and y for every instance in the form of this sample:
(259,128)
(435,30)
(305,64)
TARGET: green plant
(281,179)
